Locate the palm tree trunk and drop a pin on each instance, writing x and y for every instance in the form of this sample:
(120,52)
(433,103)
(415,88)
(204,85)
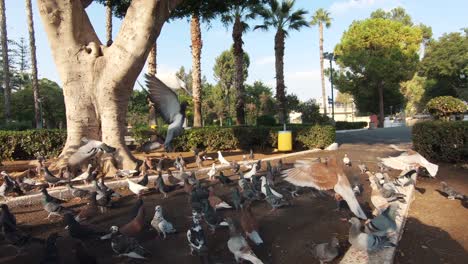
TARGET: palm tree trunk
(381,105)
(324,94)
(239,71)
(6,62)
(279,66)
(196,66)
(108,23)
(152,71)
(32,46)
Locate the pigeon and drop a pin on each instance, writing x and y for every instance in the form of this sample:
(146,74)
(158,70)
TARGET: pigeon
(346,160)
(162,187)
(273,200)
(181,161)
(150,146)
(382,167)
(406,179)
(223,179)
(363,168)
(143,181)
(324,176)
(87,151)
(379,202)
(160,164)
(79,231)
(7,219)
(85,175)
(256,182)
(236,198)
(356,186)
(326,252)
(126,246)
(216,202)
(199,161)
(196,237)
(177,163)
(187,187)
(24,184)
(54,208)
(211,218)
(249,224)
(222,160)
(239,246)
(103,198)
(50,178)
(387,190)
(279,165)
(4,190)
(251,154)
(451,193)
(102,185)
(89,211)
(135,187)
(259,165)
(199,195)
(212,172)
(132,228)
(366,242)
(77,192)
(251,173)
(125,173)
(235,167)
(12,185)
(167,104)
(160,224)
(384,223)
(263,188)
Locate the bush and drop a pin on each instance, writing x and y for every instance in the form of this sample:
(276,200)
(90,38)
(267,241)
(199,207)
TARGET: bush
(266,120)
(445,106)
(24,144)
(343,125)
(17,125)
(442,141)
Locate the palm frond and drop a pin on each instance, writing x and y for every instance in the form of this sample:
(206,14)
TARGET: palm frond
(262,27)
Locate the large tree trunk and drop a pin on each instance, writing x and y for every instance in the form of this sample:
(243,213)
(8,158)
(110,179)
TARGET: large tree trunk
(239,70)
(6,62)
(108,23)
(322,72)
(381,104)
(279,66)
(152,71)
(196,37)
(98,80)
(32,47)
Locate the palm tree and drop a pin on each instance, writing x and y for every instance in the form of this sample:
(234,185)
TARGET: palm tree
(32,46)
(283,18)
(108,23)
(238,13)
(197,44)
(6,62)
(320,18)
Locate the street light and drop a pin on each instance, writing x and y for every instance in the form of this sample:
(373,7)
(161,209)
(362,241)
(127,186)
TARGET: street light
(331,57)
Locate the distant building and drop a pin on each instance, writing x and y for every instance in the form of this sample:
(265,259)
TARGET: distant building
(295,118)
(343,112)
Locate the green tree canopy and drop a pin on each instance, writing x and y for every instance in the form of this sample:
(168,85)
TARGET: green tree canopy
(224,68)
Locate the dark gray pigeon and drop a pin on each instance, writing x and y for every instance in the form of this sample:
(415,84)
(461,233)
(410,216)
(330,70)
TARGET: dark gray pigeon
(326,252)
(451,193)
(364,241)
(384,223)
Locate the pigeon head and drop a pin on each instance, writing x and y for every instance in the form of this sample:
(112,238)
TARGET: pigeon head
(354,221)
(158,209)
(114,229)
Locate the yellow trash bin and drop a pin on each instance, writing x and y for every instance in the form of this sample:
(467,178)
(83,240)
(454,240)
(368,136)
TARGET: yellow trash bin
(284,140)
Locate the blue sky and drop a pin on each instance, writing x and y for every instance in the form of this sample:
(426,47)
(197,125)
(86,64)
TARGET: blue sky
(302,67)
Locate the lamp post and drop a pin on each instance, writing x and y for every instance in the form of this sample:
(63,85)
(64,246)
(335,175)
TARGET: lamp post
(330,56)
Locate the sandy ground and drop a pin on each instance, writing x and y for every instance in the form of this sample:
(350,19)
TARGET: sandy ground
(435,233)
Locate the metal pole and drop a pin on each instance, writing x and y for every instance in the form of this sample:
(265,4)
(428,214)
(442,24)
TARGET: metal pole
(331,84)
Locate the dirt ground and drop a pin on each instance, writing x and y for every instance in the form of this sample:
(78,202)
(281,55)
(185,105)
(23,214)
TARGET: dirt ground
(435,233)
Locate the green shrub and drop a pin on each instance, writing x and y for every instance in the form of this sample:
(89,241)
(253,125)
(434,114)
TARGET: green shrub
(443,107)
(17,125)
(442,141)
(24,144)
(343,125)
(266,120)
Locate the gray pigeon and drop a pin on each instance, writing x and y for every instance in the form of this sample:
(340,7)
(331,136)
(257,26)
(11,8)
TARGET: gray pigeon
(167,104)
(273,200)
(406,179)
(77,192)
(451,193)
(384,223)
(236,198)
(87,151)
(326,252)
(364,241)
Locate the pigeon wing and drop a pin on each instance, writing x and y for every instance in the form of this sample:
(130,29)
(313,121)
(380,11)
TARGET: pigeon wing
(164,97)
(309,173)
(344,189)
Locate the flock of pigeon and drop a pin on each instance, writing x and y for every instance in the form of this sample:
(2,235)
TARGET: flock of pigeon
(253,184)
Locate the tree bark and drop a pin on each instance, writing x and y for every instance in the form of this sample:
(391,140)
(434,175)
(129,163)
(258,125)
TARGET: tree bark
(152,71)
(322,71)
(108,23)
(239,70)
(32,49)
(279,67)
(98,80)
(197,43)
(381,105)
(6,62)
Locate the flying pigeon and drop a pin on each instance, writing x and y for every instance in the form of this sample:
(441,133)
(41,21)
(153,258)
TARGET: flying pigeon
(239,246)
(222,160)
(125,173)
(160,224)
(364,241)
(324,176)
(85,175)
(326,252)
(167,104)
(88,150)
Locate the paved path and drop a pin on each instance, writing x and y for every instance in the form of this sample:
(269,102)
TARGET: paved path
(391,135)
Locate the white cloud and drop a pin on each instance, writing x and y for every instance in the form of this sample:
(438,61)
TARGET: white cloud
(265,60)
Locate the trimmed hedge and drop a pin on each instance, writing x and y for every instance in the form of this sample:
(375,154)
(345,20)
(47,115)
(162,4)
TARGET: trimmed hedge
(24,144)
(343,125)
(442,141)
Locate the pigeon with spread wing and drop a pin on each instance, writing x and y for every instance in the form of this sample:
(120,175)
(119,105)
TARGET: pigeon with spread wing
(168,105)
(324,176)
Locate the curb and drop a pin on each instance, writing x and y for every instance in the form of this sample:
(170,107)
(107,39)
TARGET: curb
(386,255)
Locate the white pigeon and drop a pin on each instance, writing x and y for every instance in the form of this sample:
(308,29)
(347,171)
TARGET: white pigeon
(212,172)
(126,173)
(135,187)
(83,176)
(221,159)
(333,146)
(251,173)
(239,246)
(160,224)
(263,188)
(346,160)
